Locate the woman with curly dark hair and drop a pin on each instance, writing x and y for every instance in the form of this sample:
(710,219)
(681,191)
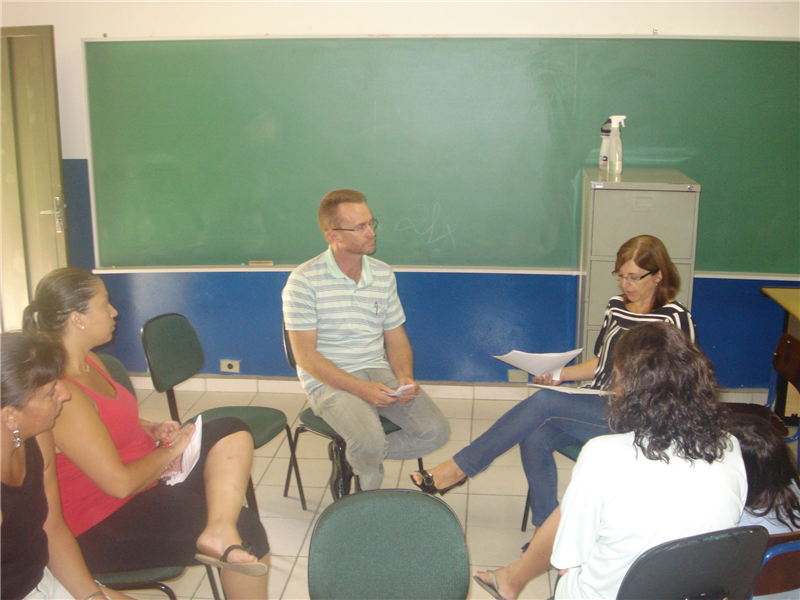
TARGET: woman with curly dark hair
(773,483)
(669,470)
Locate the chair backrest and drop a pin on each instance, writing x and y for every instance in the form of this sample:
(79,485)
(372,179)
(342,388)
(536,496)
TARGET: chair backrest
(781,570)
(287,347)
(388,544)
(117,371)
(716,565)
(172,349)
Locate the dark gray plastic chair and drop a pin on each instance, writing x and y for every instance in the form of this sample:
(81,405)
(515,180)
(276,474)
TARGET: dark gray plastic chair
(711,566)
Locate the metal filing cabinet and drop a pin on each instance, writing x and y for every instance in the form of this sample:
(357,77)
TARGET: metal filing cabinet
(659,202)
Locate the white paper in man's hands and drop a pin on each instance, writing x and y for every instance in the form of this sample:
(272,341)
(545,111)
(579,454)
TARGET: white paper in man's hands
(191,455)
(540,364)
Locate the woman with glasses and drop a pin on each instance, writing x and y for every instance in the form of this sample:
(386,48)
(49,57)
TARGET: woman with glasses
(551,419)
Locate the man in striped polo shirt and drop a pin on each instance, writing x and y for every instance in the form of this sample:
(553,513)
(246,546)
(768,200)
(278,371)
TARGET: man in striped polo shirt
(345,325)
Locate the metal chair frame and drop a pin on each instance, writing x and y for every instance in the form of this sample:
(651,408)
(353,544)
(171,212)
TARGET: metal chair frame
(250,494)
(341,445)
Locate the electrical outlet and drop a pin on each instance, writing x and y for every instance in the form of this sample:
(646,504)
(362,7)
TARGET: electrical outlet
(517,376)
(226,365)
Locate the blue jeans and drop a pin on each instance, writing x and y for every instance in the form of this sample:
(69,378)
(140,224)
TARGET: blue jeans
(423,426)
(540,425)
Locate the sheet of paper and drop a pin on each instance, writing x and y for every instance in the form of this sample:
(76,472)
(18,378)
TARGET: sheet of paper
(540,364)
(400,391)
(568,390)
(191,455)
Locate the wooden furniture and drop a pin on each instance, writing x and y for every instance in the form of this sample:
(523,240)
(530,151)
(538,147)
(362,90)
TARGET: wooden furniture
(780,571)
(659,202)
(789,299)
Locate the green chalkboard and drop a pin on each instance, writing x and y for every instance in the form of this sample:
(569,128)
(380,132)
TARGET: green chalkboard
(216,152)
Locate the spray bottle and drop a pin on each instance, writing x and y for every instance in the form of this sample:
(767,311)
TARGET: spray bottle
(615,146)
(605,142)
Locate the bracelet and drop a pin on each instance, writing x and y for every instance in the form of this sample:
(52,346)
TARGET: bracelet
(97,594)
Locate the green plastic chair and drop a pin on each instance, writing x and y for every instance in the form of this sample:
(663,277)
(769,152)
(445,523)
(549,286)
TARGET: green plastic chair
(388,544)
(145,579)
(317,425)
(174,353)
(572,451)
(142,579)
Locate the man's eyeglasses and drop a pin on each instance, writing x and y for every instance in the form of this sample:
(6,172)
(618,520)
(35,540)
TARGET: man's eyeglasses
(633,279)
(361,228)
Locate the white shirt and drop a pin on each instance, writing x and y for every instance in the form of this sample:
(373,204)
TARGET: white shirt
(620,504)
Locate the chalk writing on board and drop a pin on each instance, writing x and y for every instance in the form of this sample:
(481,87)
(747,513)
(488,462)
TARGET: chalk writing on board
(425,221)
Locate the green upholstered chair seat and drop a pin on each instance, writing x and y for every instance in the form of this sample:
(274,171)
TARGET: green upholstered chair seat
(264,423)
(572,451)
(317,424)
(388,544)
(174,353)
(123,579)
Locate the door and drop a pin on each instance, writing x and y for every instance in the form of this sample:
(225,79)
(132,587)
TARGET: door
(33,223)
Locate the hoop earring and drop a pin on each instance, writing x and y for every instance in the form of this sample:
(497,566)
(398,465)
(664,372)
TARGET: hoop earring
(17,441)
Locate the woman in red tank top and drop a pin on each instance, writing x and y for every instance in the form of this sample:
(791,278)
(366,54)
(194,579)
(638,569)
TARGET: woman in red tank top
(111,463)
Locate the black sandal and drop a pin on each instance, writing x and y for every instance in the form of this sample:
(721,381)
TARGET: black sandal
(254,569)
(429,487)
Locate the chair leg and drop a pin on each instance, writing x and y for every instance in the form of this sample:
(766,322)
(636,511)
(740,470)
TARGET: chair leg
(250,496)
(148,585)
(213,582)
(341,445)
(526,512)
(167,590)
(293,464)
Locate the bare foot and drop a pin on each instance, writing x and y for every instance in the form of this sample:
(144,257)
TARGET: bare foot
(502,585)
(213,542)
(444,475)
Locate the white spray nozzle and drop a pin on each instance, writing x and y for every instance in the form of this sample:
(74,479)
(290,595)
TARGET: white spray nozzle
(617,120)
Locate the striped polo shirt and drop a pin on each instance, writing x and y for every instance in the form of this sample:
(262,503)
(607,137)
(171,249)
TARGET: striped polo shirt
(349,317)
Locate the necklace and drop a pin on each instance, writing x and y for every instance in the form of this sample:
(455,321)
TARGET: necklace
(84,368)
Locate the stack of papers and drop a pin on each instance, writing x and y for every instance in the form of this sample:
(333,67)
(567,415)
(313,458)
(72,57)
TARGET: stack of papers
(539,365)
(190,456)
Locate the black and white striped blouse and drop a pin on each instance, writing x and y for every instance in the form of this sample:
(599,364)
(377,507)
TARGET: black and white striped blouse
(618,320)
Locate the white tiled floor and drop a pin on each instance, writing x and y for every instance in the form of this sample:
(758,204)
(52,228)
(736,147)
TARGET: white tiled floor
(489,506)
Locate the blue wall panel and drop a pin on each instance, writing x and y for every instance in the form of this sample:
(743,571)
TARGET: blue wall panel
(456,321)
(738,328)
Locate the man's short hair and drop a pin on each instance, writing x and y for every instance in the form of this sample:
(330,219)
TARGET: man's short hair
(329,207)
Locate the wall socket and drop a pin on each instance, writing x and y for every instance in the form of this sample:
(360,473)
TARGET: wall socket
(226,365)
(517,376)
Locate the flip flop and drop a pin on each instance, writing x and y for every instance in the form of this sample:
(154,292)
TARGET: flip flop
(429,487)
(255,569)
(492,588)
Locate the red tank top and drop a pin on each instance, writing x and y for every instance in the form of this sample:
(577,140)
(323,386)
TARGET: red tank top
(83,502)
